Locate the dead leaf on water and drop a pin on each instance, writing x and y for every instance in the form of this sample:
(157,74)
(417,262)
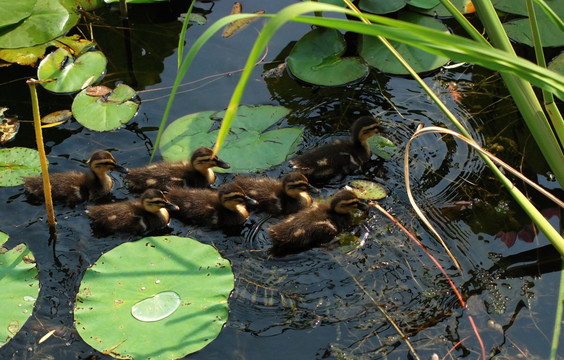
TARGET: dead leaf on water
(8,127)
(235,26)
(56,118)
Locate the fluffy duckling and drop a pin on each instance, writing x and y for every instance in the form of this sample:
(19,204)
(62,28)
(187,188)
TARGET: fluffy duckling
(340,157)
(221,208)
(148,213)
(73,187)
(276,197)
(197,173)
(316,225)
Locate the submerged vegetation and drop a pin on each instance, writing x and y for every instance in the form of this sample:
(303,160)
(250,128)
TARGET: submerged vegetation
(258,138)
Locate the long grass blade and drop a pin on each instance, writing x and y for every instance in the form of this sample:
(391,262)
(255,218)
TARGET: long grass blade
(183,32)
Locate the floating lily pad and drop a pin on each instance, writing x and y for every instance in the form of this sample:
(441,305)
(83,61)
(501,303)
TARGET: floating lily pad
(19,288)
(71,74)
(381,7)
(557,64)
(377,55)
(75,44)
(117,305)
(423,4)
(247,147)
(520,30)
(368,190)
(135,1)
(17,163)
(103,109)
(464,6)
(519,7)
(8,127)
(317,58)
(23,56)
(382,147)
(48,19)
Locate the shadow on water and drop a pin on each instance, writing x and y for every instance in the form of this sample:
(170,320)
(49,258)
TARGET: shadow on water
(329,302)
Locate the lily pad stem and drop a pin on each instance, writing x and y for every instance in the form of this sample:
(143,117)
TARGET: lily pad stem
(42,157)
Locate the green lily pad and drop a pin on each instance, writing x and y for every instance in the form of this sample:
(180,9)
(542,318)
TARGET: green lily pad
(19,288)
(48,19)
(71,74)
(557,64)
(107,110)
(376,54)
(464,6)
(75,44)
(23,56)
(519,7)
(15,11)
(368,190)
(423,4)
(107,307)
(247,147)
(381,7)
(17,163)
(317,58)
(135,1)
(382,147)
(519,30)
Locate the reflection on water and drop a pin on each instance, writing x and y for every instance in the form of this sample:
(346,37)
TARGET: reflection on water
(330,302)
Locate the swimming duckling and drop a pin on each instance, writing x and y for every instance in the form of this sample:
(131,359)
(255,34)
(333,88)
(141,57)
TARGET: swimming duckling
(221,208)
(278,197)
(340,157)
(316,225)
(73,187)
(197,173)
(148,213)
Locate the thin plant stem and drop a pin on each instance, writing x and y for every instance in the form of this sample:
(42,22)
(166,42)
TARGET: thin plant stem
(558,317)
(41,149)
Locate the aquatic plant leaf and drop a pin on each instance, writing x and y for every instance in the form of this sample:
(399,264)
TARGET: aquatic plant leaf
(317,59)
(48,20)
(340,3)
(376,54)
(519,30)
(557,64)
(381,7)
(23,56)
(368,190)
(19,288)
(106,110)
(464,6)
(75,44)
(519,7)
(135,1)
(156,307)
(17,163)
(8,127)
(71,74)
(132,272)
(382,147)
(56,118)
(15,11)
(423,4)
(248,146)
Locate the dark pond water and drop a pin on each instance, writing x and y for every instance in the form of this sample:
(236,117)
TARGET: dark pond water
(334,302)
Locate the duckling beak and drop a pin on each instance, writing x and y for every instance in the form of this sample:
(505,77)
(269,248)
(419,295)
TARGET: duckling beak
(120,169)
(171,206)
(250,201)
(223,164)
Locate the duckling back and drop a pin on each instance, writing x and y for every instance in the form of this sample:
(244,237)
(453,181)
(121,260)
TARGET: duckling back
(197,206)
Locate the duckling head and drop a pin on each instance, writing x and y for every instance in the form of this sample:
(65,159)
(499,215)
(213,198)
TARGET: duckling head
(296,186)
(203,159)
(345,202)
(364,128)
(233,198)
(100,162)
(155,202)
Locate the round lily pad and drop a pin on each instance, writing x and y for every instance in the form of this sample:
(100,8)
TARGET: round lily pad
(382,147)
(19,288)
(557,64)
(381,7)
(159,298)
(71,74)
(247,147)
(377,55)
(368,190)
(17,163)
(105,110)
(464,6)
(317,58)
(520,30)
(44,21)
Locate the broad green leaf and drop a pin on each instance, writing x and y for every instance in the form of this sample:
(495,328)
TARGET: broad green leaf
(71,74)
(19,288)
(317,59)
(135,1)
(248,146)
(519,7)
(75,44)
(382,147)
(381,7)
(15,11)
(105,112)
(464,6)
(423,4)
(23,56)
(368,190)
(126,282)
(376,54)
(17,163)
(48,20)
(520,30)
(557,64)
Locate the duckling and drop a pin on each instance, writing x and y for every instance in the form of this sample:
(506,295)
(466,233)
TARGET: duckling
(221,208)
(316,225)
(340,157)
(197,173)
(278,197)
(73,187)
(148,213)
